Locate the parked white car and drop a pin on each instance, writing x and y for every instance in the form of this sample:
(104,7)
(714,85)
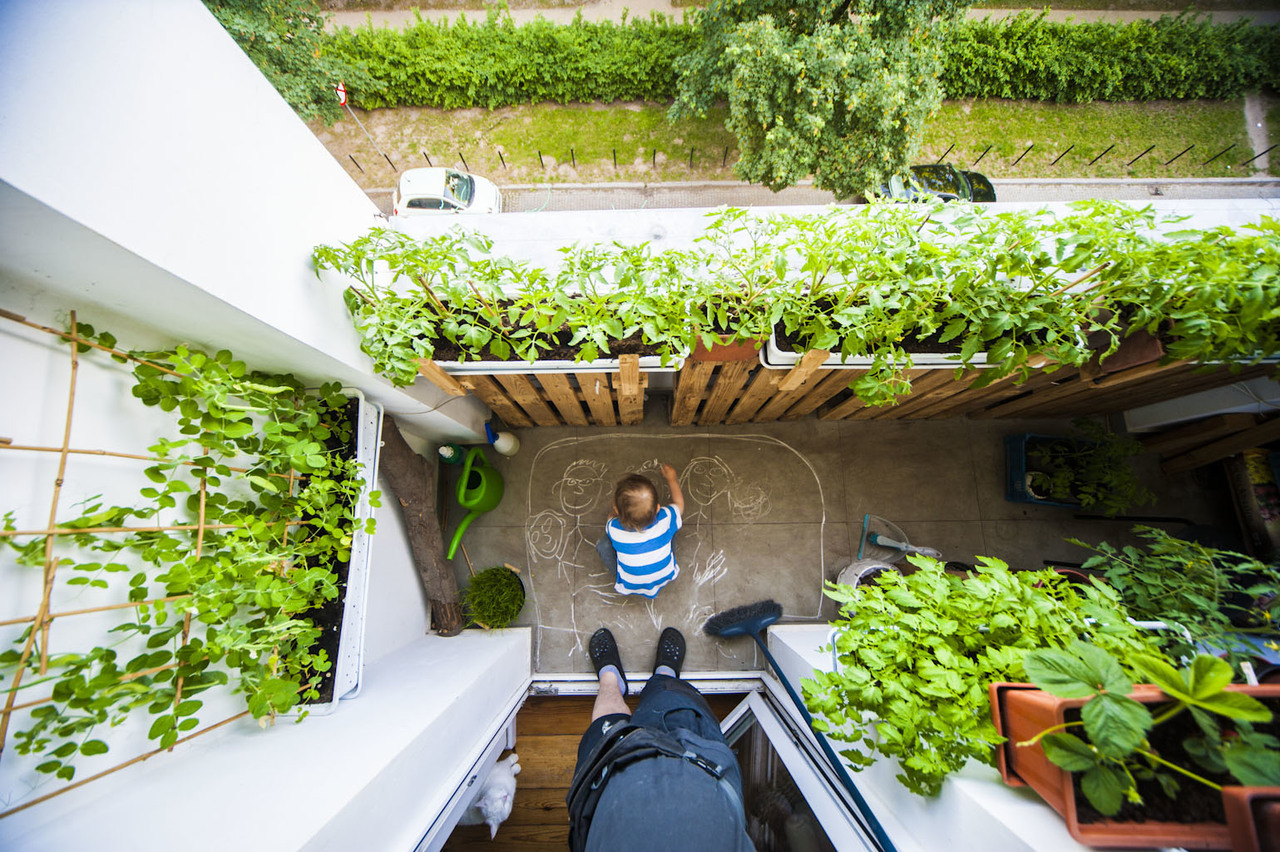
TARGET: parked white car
(435,190)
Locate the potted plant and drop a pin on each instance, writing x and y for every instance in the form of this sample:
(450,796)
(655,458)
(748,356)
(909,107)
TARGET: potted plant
(914,654)
(1210,599)
(494,597)
(1089,471)
(1142,766)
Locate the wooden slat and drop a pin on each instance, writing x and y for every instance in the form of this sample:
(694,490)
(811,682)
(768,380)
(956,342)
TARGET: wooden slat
(547,760)
(801,374)
(510,838)
(842,410)
(783,400)
(763,385)
(496,398)
(599,399)
(1196,434)
(1004,388)
(630,390)
(1261,434)
(730,380)
(873,412)
(438,377)
(528,398)
(691,385)
(922,389)
(1038,403)
(917,408)
(558,389)
(832,383)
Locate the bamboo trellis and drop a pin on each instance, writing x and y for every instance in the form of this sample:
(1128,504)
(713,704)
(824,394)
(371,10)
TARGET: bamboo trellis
(43,618)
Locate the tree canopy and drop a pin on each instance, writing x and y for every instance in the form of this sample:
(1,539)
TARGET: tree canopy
(837,89)
(285,39)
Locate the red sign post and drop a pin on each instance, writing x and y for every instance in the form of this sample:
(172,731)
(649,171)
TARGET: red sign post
(341,90)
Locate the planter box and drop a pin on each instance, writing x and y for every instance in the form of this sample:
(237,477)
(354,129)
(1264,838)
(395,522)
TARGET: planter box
(648,364)
(1020,711)
(743,350)
(1015,452)
(1253,817)
(348,663)
(778,358)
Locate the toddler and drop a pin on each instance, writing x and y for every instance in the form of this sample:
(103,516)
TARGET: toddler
(638,534)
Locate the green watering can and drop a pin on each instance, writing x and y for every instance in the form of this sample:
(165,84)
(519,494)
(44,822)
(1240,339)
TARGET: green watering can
(479,491)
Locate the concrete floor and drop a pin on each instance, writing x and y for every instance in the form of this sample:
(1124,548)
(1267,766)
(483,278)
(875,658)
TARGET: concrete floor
(771,511)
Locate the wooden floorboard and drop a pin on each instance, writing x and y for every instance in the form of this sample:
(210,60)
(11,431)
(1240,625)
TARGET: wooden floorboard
(548,729)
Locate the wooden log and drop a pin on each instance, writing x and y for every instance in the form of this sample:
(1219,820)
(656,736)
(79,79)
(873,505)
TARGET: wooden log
(730,381)
(527,397)
(411,479)
(599,399)
(438,377)
(562,396)
(691,386)
(496,398)
(630,390)
(1263,433)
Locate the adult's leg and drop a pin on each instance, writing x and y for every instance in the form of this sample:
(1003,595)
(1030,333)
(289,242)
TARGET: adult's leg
(609,699)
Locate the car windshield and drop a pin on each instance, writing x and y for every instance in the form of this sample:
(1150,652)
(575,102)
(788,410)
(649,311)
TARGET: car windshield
(459,187)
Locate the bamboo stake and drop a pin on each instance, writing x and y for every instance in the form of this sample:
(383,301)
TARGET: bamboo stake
(125,679)
(468,558)
(114,455)
(87,610)
(186,617)
(71,335)
(174,528)
(118,767)
(50,563)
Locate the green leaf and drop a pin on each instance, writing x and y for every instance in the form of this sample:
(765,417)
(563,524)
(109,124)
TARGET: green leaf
(1237,705)
(1116,723)
(1253,766)
(1084,672)
(1069,752)
(1105,788)
(93,747)
(160,726)
(1208,675)
(1163,675)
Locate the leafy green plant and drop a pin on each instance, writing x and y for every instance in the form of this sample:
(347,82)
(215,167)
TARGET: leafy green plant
(915,654)
(1093,470)
(1119,751)
(244,520)
(1205,595)
(494,597)
(864,283)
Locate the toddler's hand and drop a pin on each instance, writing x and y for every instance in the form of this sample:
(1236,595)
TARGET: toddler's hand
(668,471)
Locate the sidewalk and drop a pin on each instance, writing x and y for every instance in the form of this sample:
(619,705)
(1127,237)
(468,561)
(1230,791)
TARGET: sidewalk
(613,10)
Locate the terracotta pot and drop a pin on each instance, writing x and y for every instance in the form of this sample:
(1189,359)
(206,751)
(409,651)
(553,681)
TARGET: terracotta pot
(1253,818)
(1020,711)
(1136,349)
(743,350)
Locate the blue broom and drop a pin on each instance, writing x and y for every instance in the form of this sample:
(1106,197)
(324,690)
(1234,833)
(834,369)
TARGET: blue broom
(751,620)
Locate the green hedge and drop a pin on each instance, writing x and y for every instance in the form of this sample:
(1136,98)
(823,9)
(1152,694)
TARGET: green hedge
(1032,58)
(496,63)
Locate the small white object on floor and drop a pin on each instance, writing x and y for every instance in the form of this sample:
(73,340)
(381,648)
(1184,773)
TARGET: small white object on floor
(495,797)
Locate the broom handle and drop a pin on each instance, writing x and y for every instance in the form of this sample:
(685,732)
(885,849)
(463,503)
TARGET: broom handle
(882,839)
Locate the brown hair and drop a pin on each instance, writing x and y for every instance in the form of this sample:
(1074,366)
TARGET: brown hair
(636,500)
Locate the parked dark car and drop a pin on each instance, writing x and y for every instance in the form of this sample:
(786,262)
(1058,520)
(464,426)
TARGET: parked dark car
(943,181)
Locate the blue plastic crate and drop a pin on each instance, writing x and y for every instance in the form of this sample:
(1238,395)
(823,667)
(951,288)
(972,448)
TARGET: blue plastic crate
(1015,451)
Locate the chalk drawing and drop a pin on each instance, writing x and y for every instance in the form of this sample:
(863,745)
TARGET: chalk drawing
(563,527)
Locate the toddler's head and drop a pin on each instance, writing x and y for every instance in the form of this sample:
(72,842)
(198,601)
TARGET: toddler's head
(635,499)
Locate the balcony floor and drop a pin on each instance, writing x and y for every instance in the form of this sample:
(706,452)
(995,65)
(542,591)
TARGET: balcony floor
(771,511)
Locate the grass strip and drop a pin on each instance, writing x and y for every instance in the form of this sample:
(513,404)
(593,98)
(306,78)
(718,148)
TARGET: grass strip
(578,142)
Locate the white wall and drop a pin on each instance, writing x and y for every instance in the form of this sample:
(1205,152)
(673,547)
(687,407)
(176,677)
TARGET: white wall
(148,167)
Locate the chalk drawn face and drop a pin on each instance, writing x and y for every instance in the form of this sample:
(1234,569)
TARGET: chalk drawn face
(582,487)
(546,533)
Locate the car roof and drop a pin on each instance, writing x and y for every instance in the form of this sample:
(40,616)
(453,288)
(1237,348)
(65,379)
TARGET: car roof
(428,181)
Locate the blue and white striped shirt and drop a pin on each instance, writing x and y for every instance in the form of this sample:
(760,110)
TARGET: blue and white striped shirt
(646,561)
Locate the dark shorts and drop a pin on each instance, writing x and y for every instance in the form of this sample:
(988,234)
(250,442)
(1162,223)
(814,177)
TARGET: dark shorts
(666,703)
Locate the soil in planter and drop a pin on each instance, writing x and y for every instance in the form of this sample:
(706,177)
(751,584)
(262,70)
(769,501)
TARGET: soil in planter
(930,345)
(1194,802)
(559,350)
(328,615)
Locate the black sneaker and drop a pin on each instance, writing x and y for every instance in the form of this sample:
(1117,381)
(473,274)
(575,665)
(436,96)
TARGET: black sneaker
(603,651)
(670,650)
